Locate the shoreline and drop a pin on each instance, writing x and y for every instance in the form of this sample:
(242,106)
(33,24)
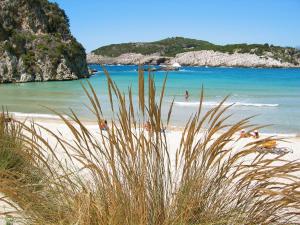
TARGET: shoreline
(91,123)
(173,136)
(54,119)
(198,66)
(212,58)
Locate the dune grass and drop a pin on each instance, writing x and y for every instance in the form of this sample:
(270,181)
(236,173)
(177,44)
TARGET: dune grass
(24,179)
(129,176)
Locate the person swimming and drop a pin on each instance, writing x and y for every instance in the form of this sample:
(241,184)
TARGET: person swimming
(187,95)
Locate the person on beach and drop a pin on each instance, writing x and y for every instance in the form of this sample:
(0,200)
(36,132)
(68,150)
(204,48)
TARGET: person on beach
(256,134)
(8,120)
(5,118)
(243,134)
(147,126)
(103,125)
(187,95)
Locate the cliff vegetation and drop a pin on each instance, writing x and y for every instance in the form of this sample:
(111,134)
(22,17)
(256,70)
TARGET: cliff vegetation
(36,43)
(171,47)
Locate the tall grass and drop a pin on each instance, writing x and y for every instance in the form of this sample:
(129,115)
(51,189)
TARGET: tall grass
(126,175)
(24,178)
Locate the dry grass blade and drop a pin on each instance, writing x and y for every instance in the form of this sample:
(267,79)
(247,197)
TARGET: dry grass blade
(109,85)
(141,89)
(170,112)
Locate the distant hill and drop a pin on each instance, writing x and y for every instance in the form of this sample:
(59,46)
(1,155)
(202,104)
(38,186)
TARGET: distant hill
(170,47)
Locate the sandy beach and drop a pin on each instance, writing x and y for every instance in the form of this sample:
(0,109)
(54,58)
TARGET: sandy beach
(173,138)
(173,135)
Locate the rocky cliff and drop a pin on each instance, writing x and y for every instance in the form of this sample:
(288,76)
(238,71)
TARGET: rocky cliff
(195,58)
(127,59)
(193,52)
(36,43)
(216,59)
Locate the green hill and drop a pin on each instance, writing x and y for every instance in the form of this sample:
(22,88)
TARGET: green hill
(172,46)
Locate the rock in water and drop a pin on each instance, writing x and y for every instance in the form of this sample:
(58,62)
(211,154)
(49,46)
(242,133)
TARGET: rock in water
(36,43)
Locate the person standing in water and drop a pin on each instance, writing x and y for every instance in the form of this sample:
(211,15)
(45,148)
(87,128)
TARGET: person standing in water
(187,95)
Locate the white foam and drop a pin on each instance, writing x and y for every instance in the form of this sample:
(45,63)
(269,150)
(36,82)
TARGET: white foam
(37,115)
(196,104)
(290,135)
(255,104)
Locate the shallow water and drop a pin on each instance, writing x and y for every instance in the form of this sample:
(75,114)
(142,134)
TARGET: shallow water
(272,94)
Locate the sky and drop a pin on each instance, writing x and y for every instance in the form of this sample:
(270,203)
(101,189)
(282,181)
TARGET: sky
(96,23)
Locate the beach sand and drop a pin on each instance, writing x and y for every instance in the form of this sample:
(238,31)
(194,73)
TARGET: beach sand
(174,134)
(173,137)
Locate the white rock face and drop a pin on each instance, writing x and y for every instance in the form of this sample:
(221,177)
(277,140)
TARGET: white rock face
(24,76)
(212,58)
(195,58)
(132,58)
(46,69)
(14,70)
(97,59)
(8,65)
(64,73)
(126,59)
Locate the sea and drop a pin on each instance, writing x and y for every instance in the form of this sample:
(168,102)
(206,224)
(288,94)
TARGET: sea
(272,96)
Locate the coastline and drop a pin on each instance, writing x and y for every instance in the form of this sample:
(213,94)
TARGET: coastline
(195,66)
(203,58)
(270,94)
(57,123)
(54,119)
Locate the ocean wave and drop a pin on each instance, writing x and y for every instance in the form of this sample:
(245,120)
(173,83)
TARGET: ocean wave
(287,135)
(36,115)
(196,71)
(122,71)
(196,104)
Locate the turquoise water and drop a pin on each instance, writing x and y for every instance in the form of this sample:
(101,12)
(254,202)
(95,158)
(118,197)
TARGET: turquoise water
(272,94)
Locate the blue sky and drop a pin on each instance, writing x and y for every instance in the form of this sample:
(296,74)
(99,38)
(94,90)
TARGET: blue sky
(100,22)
